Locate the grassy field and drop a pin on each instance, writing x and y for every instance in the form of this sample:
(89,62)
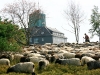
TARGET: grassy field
(55,69)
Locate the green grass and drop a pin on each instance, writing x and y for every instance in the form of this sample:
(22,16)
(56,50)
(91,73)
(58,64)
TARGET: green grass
(55,69)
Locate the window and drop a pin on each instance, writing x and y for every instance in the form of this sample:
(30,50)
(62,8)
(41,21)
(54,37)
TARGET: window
(30,39)
(42,32)
(53,33)
(36,40)
(42,39)
(43,22)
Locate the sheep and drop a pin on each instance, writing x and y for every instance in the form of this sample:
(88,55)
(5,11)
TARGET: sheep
(69,55)
(26,67)
(71,61)
(78,56)
(35,54)
(88,54)
(24,59)
(5,61)
(59,55)
(8,56)
(86,59)
(96,57)
(74,61)
(17,57)
(5,56)
(61,61)
(51,57)
(35,59)
(43,63)
(93,65)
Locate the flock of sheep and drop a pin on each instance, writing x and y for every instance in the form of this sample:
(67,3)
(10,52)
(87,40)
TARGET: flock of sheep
(64,54)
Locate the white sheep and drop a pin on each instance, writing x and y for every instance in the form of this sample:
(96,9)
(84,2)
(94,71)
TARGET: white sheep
(35,54)
(69,55)
(18,56)
(86,59)
(59,55)
(5,61)
(63,51)
(43,63)
(26,67)
(35,59)
(71,61)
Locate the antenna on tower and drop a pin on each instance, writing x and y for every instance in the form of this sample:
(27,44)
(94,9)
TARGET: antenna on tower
(38,4)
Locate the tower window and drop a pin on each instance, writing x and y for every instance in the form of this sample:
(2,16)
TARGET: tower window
(36,40)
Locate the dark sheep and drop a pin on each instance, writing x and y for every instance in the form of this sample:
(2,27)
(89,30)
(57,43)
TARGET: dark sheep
(96,57)
(78,56)
(24,59)
(93,65)
(58,61)
(52,59)
(5,56)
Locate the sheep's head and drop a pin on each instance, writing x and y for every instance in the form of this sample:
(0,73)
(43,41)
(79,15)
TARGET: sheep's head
(10,69)
(33,73)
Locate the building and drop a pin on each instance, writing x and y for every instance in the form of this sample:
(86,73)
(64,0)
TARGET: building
(42,34)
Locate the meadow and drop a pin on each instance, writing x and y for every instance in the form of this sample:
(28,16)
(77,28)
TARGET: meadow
(55,69)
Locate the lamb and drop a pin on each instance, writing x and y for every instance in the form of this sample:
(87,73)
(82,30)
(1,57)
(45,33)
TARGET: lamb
(86,59)
(5,61)
(71,61)
(26,67)
(93,65)
(43,63)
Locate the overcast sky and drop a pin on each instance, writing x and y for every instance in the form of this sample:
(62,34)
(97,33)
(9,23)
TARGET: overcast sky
(55,16)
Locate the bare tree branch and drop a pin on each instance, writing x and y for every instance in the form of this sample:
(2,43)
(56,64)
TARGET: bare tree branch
(75,17)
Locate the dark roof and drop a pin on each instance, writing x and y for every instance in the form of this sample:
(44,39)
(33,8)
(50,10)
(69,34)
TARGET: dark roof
(37,31)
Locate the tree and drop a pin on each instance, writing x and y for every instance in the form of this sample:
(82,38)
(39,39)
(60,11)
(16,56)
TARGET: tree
(8,32)
(19,13)
(75,16)
(95,22)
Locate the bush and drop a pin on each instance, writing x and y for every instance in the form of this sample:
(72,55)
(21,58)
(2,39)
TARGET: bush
(6,46)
